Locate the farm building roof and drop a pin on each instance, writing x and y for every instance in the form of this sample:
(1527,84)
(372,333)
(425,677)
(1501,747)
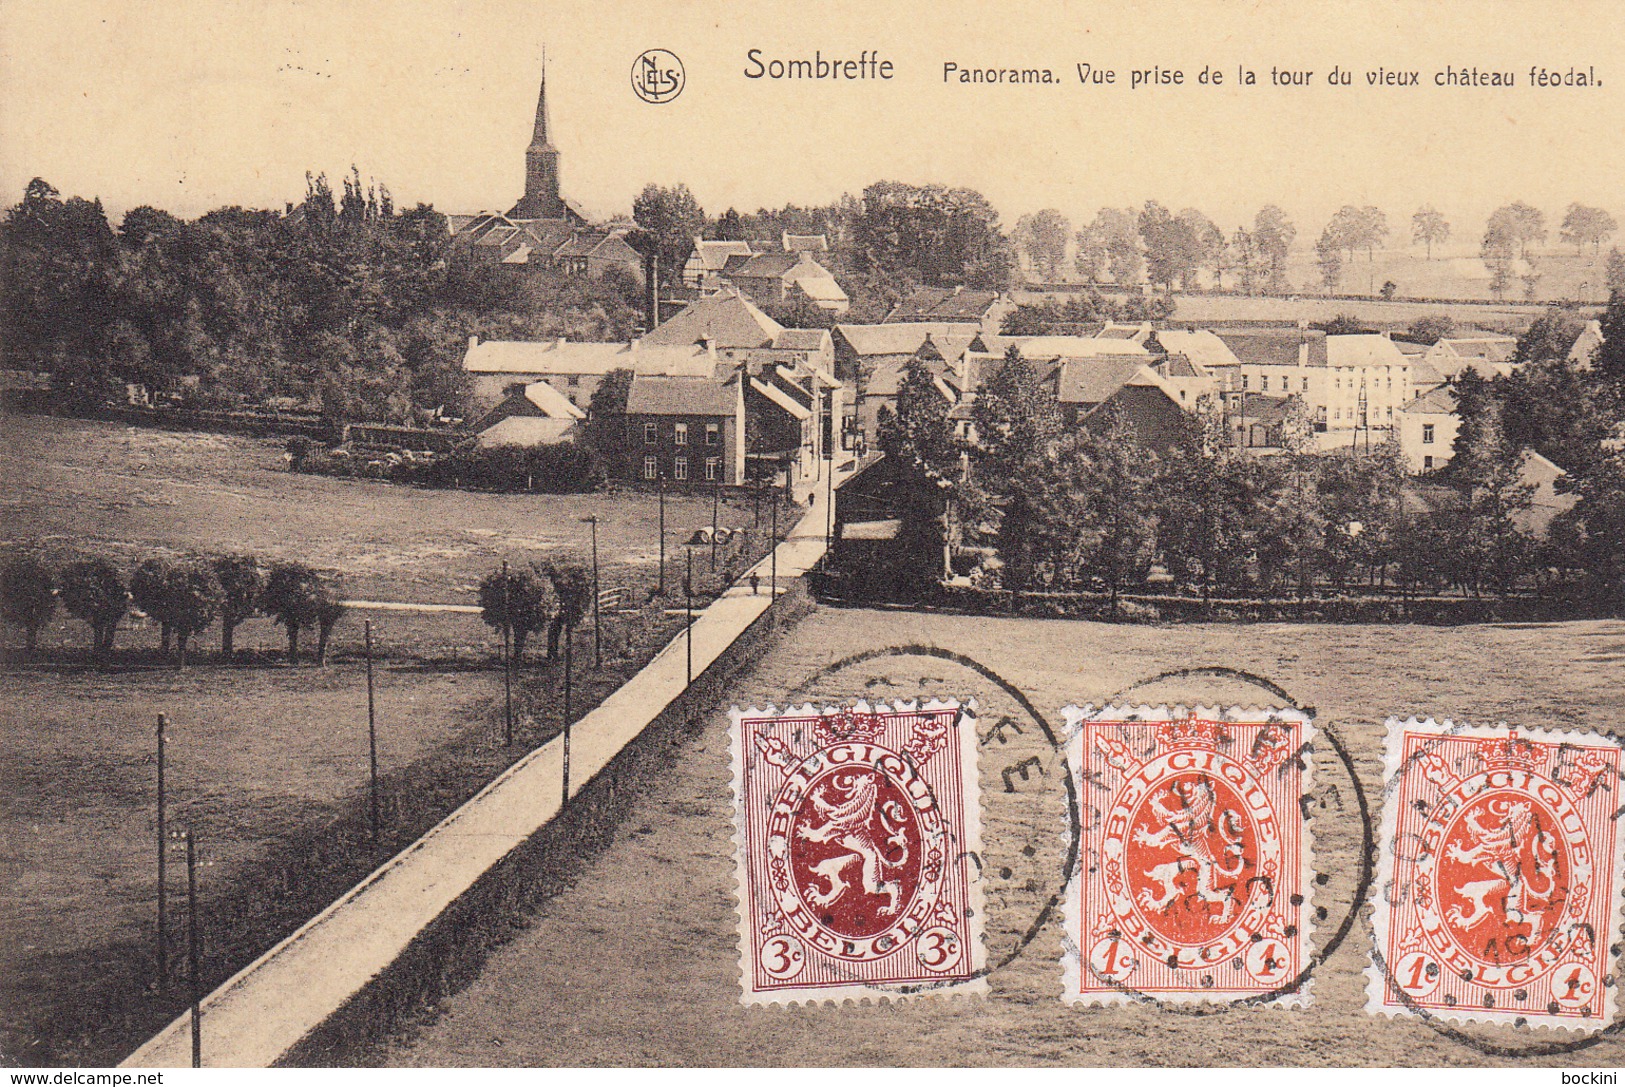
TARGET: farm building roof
(725,319)
(1277,346)
(902,338)
(805,243)
(1362,349)
(565,357)
(1439,401)
(651,395)
(1090,381)
(528,430)
(943,303)
(713,255)
(1199,345)
(802,339)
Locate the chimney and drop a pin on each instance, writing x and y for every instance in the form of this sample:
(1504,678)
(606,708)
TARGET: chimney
(473,342)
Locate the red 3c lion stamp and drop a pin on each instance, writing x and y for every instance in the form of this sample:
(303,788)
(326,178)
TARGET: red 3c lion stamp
(1194,875)
(1499,886)
(858,837)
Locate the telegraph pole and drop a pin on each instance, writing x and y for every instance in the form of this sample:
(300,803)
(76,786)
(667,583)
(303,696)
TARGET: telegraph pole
(569,644)
(662,590)
(688,608)
(372,739)
(507,660)
(192,950)
(163,888)
(716,502)
(597,624)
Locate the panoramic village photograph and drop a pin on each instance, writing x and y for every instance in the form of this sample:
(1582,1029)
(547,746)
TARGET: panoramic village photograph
(377,577)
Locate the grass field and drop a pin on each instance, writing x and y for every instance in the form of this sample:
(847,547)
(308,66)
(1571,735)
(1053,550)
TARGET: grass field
(267,764)
(637,962)
(77,485)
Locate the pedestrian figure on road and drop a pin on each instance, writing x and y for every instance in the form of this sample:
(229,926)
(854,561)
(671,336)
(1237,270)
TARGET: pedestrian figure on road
(755,580)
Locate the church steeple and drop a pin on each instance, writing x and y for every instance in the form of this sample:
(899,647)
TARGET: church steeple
(542,199)
(539,140)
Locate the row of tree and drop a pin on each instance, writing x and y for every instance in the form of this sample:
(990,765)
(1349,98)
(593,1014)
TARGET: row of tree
(1093,507)
(184,597)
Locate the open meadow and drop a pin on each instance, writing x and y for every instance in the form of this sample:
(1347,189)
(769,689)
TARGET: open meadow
(267,764)
(590,981)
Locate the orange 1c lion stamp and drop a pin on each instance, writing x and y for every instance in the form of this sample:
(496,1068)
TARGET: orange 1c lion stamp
(1193,879)
(858,839)
(1498,893)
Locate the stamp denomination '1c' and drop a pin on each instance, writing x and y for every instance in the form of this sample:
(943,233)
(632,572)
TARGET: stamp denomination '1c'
(1499,887)
(1194,874)
(858,838)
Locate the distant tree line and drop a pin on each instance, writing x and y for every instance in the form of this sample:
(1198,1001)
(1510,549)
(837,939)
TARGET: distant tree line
(183,596)
(344,304)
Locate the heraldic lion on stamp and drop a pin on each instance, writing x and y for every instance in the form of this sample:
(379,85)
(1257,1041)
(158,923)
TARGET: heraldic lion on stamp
(857,841)
(1193,873)
(1499,888)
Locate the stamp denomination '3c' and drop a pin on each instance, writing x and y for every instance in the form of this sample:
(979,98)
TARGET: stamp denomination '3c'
(1194,874)
(858,838)
(1499,891)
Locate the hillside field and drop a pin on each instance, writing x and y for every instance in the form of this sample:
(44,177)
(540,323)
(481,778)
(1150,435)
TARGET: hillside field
(637,962)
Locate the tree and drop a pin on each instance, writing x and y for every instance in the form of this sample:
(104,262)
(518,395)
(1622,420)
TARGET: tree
(1292,535)
(1015,418)
(1207,244)
(1583,226)
(242,586)
(930,234)
(673,219)
(296,596)
(1615,276)
(1273,234)
(1431,328)
(1170,245)
(730,227)
(1117,530)
(94,591)
(1514,226)
(1490,544)
(1354,228)
(916,438)
(1429,227)
(572,591)
(1111,244)
(1209,494)
(1329,256)
(522,605)
(606,415)
(191,599)
(27,595)
(1042,238)
(148,587)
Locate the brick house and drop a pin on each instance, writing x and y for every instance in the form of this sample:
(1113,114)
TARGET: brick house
(687,430)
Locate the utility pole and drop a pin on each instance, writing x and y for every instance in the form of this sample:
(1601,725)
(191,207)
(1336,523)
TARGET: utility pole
(688,607)
(773,584)
(829,506)
(163,888)
(569,661)
(507,660)
(716,503)
(372,740)
(597,623)
(662,589)
(192,950)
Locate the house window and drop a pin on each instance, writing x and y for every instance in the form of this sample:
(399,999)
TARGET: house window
(1427,464)
(651,433)
(1427,435)
(713,469)
(1264,383)
(680,469)
(651,468)
(681,436)
(713,434)
(575,380)
(1243,381)
(1306,384)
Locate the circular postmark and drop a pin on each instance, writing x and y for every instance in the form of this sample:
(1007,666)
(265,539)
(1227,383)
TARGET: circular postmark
(1022,752)
(1502,888)
(658,76)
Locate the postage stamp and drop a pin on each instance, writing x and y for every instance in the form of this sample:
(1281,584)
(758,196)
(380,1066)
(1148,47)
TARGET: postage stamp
(1499,886)
(1193,882)
(857,836)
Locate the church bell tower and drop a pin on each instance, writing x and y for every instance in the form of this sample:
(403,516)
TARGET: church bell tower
(542,199)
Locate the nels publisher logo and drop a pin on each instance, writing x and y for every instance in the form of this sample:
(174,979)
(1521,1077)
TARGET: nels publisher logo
(657,76)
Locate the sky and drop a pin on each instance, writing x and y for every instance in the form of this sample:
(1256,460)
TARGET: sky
(188,105)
